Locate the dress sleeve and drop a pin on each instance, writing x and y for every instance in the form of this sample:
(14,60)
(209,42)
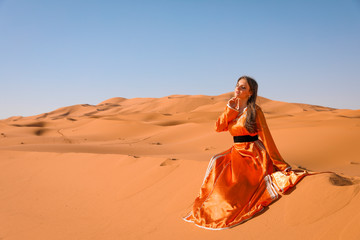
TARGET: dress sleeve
(228,115)
(266,138)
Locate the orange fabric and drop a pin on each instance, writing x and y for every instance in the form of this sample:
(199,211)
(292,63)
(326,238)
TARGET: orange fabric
(239,182)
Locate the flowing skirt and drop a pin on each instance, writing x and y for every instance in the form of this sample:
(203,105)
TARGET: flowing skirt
(239,183)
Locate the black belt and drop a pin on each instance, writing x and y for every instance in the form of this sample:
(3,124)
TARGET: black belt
(245,138)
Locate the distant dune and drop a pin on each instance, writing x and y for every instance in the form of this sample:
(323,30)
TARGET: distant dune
(130,169)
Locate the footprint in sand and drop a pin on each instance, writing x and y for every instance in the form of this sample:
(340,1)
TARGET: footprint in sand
(209,148)
(338,180)
(355,163)
(168,162)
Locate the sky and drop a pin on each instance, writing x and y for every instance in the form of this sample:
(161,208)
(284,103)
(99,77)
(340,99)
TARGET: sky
(61,53)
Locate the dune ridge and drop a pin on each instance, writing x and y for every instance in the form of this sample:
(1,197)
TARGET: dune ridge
(130,168)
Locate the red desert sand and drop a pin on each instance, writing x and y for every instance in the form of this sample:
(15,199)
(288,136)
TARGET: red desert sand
(131,169)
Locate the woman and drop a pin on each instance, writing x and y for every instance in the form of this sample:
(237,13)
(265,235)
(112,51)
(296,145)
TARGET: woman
(241,181)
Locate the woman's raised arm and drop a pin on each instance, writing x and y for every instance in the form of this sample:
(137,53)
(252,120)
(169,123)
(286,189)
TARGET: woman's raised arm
(228,115)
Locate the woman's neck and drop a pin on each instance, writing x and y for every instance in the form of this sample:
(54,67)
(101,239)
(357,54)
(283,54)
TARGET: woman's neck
(242,104)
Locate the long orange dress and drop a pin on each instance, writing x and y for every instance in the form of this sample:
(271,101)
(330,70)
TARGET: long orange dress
(241,181)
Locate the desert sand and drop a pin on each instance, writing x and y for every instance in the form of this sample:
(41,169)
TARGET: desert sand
(131,168)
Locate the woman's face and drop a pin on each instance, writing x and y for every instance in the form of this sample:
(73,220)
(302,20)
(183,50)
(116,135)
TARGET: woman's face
(242,89)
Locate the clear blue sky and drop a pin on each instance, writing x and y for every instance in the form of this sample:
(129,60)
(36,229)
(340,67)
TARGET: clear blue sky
(58,53)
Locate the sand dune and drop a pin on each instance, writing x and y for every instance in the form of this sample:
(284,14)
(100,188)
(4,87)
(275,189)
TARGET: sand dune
(130,168)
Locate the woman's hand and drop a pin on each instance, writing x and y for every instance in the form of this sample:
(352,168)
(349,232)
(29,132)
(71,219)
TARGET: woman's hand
(234,103)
